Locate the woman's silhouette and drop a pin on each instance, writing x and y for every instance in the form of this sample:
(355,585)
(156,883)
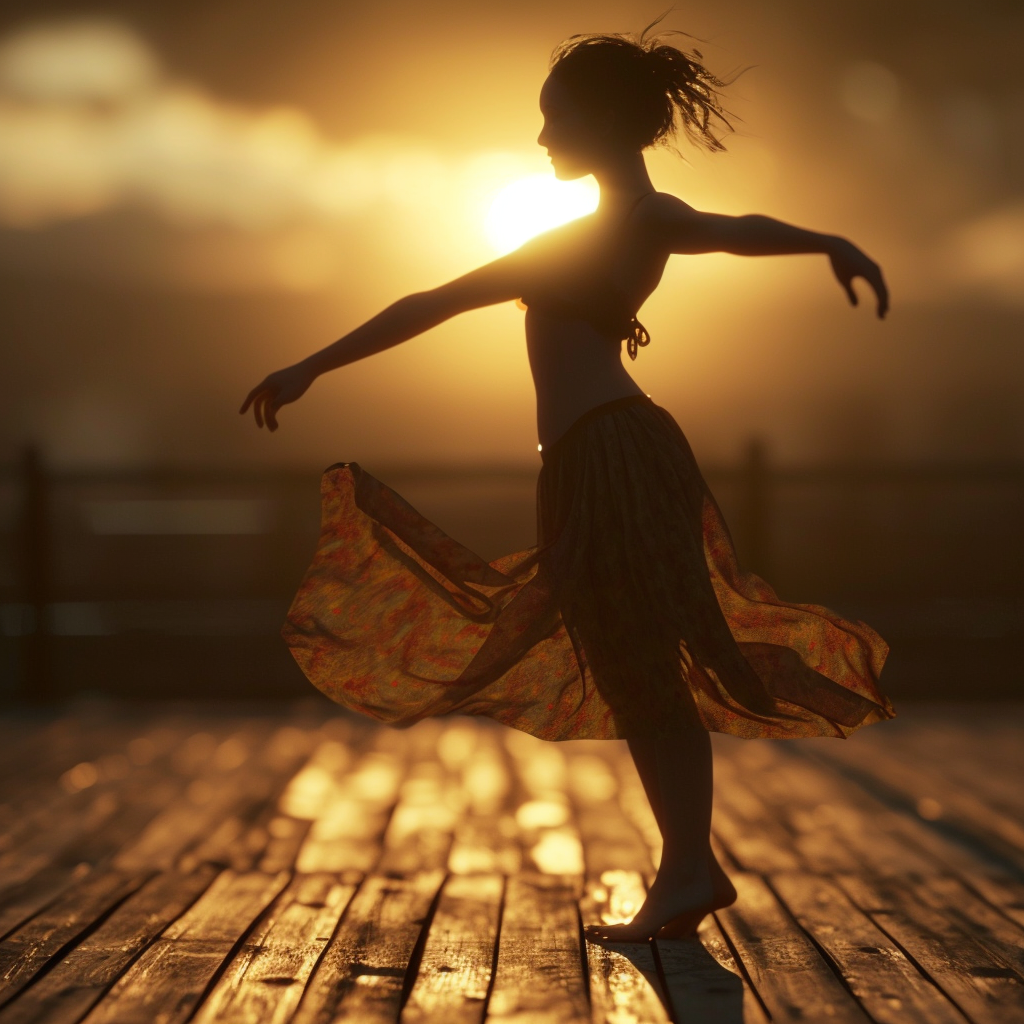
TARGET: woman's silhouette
(630,618)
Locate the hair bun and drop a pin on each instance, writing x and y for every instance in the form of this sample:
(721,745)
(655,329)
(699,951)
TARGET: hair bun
(652,88)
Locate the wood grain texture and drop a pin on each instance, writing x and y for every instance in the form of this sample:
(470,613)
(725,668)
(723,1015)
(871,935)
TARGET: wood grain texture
(977,978)
(539,977)
(457,965)
(785,967)
(265,980)
(26,951)
(363,971)
(957,806)
(166,983)
(66,993)
(224,867)
(886,983)
(623,976)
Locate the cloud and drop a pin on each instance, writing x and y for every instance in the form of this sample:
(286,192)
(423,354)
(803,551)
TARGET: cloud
(89,120)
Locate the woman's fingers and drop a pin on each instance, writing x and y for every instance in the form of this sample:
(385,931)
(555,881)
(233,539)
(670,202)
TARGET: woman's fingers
(249,399)
(881,291)
(270,414)
(264,406)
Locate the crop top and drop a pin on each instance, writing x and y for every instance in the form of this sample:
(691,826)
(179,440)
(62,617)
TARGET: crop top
(586,293)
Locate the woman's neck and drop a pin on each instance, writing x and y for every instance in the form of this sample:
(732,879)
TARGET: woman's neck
(622,182)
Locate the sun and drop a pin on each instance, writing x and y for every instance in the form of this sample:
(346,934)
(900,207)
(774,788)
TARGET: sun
(528,206)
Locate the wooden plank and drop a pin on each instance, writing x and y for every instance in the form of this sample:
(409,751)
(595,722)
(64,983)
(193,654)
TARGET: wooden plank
(749,829)
(486,838)
(610,842)
(110,815)
(791,978)
(888,985)
(1000,890)
(910,785)
(419,832)
(26,951)
(231,784)
(981,983)
(457,964)
(89,828)
(539,977)
(286,836)
(73,986)
(53,835)
(700,988)
(838,826)
(349,810)
(623,976)
(981,755)
(364,967)
(242,836)
(712,992)
(975,916)
(168,980)
(265,980)
(23,901)
(544,815)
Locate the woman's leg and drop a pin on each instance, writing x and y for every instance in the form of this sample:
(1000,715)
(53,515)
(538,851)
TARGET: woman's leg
(676,772)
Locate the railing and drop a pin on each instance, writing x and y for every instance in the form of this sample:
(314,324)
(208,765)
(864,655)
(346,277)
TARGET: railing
(867,536)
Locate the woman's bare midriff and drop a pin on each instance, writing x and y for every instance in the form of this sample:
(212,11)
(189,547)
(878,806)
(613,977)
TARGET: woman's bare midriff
(574,369)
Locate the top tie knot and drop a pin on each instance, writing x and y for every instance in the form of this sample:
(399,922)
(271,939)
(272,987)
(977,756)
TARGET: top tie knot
(637,338)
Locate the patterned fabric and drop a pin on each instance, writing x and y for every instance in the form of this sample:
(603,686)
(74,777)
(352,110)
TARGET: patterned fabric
(630,615)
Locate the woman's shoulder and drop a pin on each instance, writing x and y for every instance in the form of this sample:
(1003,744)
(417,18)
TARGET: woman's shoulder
(660,206)
(658,216)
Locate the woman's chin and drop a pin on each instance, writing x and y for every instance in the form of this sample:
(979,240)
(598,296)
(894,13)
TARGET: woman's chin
(569,172)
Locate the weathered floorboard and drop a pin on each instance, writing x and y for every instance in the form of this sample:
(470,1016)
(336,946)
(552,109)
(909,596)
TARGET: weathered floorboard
(790,976)
(362,973)
(66,993)
(218,867)
(168,980)
(539,977)
(26,951)
(455,970)
(265,980)
(888,985)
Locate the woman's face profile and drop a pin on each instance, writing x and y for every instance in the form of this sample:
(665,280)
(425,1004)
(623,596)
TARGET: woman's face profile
(568,134)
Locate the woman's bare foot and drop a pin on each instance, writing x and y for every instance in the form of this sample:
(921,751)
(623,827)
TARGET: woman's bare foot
(685,925)
(672,911)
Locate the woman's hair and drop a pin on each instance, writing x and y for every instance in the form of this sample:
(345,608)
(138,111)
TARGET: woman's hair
(645,88)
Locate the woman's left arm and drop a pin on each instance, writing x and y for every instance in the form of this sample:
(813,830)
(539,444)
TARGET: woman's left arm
(688,231)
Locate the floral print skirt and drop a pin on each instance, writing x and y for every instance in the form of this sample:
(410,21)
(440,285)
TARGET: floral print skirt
(629,617)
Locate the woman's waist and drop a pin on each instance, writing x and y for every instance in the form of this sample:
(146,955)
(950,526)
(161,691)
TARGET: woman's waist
(556,421)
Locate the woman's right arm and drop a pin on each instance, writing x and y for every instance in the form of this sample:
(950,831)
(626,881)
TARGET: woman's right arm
(499,281)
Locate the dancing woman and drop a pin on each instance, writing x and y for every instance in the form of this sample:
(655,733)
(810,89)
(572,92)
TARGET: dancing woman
(630,619)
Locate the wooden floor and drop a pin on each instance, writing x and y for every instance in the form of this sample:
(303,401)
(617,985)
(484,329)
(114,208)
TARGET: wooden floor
(186,865)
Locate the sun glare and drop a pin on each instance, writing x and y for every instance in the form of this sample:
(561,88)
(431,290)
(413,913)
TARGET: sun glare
(531,205)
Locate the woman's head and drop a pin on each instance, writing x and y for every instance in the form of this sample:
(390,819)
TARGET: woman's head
(612,93)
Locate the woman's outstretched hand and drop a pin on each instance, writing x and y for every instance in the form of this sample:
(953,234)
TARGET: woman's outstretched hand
(277,389)
(849,262)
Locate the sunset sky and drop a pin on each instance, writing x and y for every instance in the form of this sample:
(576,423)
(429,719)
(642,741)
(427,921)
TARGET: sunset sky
(194,194)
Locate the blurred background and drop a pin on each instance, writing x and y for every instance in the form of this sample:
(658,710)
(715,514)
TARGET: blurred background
(194,194)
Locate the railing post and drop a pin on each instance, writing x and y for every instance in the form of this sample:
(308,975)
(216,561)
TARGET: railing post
(36,578)
(755,538)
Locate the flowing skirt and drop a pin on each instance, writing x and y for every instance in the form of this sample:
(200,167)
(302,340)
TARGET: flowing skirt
(629,617)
